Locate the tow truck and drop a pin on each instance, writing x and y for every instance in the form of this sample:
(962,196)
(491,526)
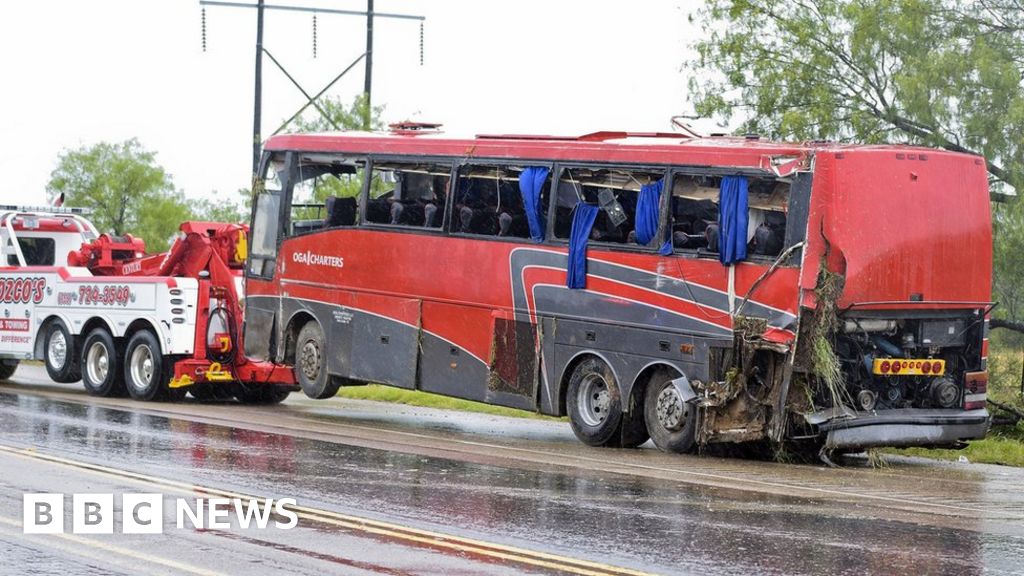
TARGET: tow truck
(97,308)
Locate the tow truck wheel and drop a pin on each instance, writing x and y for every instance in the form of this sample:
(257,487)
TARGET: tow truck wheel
(7,368)
(311,363)
(671,422)
(144,371)
(62,364)
(262,394)
(101,366)
(594,403)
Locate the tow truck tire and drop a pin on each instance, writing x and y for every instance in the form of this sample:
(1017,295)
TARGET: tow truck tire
(261,394)
(101,365)
(62,364)
(671,422)
(145,372)
(311,363)
(7,368)
(594,403)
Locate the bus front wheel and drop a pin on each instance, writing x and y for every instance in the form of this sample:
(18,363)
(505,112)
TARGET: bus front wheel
(594,403)
(311,363)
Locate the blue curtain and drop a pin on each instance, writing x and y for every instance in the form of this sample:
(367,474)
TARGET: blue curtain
(732,219)
(648,211)
(583,216)
(531,181)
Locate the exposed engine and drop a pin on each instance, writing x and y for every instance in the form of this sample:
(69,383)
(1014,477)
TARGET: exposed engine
(908,362)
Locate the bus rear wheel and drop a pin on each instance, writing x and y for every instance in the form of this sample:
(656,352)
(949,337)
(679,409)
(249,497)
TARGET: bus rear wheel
(101,366)
(62,364)
(671,422)
(594,403)
(144,368)
(311,363)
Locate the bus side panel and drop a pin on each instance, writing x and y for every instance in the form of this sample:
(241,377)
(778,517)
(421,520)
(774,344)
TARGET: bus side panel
(336,323)
(385,348)
(448,368)
(629,350)
(260,316)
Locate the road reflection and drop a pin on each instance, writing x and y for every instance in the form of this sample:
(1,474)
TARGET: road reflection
(624,520)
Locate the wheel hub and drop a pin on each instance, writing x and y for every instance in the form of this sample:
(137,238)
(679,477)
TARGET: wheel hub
(594,400)
(671,409)
(142,366)
(58,350)
(98,362)
(310,360)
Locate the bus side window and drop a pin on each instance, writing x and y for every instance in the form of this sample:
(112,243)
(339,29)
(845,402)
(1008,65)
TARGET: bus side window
(615,191)
(695,214)
(489,202)
(326,193)
(408,194)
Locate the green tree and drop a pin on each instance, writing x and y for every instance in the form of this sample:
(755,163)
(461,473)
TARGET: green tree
(941,73)
(127,191)
(227,209)
(333,114)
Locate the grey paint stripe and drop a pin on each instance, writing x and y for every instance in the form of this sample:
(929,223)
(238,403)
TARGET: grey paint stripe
(688,291)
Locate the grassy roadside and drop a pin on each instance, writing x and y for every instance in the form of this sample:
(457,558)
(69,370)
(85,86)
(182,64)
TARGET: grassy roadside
(1004,445)
(425,399)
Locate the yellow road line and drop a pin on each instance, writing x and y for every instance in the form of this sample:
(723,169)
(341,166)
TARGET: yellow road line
(91,544)
(420,536)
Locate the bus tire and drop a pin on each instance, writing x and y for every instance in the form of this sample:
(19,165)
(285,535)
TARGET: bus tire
(594,403)
(311,363)
(62,364)
(145,371)
(7,368)
(101,365)
(671,422)
(261,394)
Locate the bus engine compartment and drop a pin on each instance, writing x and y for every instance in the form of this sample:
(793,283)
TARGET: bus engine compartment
(909,362)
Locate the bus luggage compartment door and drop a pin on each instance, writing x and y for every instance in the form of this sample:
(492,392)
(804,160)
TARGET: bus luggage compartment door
(513,362)
(385,340)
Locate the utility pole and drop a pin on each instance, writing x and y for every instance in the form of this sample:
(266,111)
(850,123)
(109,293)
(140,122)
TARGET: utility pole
(257,108)
(260,6)
(368,81)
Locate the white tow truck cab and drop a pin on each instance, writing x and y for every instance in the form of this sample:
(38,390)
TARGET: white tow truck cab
(95,307)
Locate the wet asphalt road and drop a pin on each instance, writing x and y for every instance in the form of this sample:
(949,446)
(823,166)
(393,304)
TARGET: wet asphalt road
(399,490)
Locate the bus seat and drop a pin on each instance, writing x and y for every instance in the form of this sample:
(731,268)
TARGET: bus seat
(429,211)
(396,212)
(711,237)
(340,211)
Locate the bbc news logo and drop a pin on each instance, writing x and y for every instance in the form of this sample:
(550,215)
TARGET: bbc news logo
(144,513)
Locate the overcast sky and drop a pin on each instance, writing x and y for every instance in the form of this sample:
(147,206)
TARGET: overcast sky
(80,72)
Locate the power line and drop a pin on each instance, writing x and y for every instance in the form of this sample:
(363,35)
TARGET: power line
(261,7)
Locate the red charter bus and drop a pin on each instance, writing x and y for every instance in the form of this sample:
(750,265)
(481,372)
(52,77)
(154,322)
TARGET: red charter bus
(688,290)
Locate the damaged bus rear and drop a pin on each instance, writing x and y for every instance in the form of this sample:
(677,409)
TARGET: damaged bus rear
(895,289)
